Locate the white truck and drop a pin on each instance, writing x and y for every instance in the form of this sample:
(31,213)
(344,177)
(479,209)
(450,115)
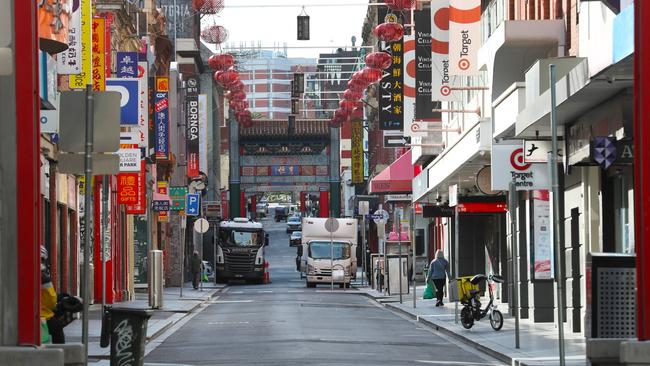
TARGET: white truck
(318,244)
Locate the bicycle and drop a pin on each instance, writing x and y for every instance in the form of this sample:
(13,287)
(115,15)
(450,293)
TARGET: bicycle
(472,306)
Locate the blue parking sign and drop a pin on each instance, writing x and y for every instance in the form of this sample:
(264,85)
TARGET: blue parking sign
(129,89)
(192,205)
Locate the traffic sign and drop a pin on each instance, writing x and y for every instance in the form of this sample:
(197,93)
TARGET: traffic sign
(380,217)
(201,225)
(192,205)
(396,141)
(178,196)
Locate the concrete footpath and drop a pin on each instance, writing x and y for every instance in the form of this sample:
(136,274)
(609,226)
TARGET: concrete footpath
(538,341)
(174,310)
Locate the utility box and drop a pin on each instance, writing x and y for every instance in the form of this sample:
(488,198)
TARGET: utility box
(156,279)
(393,278)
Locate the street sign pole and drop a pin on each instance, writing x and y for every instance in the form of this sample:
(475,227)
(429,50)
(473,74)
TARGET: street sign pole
(413,249)
(399,251)
(183,228)
(363,248)
(88,169)
(102,235)
(513,204)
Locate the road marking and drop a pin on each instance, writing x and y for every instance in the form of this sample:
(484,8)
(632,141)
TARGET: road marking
(265,291)
(236,292)
(457,363)
(230,301)
(295,291)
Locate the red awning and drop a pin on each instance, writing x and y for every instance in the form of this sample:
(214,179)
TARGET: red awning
(396,178)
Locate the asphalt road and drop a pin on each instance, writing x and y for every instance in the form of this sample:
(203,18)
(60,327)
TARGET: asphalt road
(284,323)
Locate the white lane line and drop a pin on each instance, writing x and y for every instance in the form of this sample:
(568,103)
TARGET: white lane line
(236,292)
(457,363)
(230,301)
(295,291)
(265,291)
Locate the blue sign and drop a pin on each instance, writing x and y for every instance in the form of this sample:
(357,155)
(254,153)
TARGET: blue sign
(192,205)
(128,88)
(161,124)
(127,65)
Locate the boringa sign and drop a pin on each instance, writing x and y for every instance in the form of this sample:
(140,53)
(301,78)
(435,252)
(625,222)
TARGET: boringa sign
(508,166)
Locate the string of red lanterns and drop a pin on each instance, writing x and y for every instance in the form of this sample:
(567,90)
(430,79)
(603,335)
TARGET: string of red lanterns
(389,32)
(208,6)
(400,5)
(215,34)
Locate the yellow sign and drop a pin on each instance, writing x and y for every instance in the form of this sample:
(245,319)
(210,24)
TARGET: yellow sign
(98,55)
(357,152)
(79,81)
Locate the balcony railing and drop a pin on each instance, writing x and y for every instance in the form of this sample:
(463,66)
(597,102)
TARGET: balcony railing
(492,18)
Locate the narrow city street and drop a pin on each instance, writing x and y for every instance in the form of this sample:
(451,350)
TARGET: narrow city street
(284,323)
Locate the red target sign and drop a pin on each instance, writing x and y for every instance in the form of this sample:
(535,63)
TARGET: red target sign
(517,160)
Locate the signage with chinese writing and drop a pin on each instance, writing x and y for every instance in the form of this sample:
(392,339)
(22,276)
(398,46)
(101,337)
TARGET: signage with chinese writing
(508,166)
(441,81)
(80,80)
(143,104)
(69,61)
(391,85)
(464,36)
(98,57)
(127,65)
(285,170)
(424,104)
(161,120)
(127,188)
(139,208)
(192,126)
(357,151)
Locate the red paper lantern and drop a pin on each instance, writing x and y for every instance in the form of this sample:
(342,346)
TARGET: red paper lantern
(237,86)
(379,60)
(244,117)
(226,78)
(239,105)
(239,95)
(347,105)
(400,5)
(370,76)
(357,113)
(221,62)
(215,34)
(336,122)
(208,6)
(356,85)
(352,95)
(389,32)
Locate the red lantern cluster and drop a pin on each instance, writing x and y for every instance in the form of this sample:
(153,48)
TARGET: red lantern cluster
(245,118)
(221,62)
(214,34)
(229,80)
(226,78)
(379,60)
(389,32)
(349,107)
(208,6)
(400,5)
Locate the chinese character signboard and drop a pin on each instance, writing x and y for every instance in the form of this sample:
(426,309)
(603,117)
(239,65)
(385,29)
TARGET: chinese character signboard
(127,65)
(391,85)
(464,36)
(80,80)
(161,119)
(143,105)
(424,104)
(192,126)
(285,170)
(69,61)
(357,152)
(127,188)
(161,202)
(98,57)
(139,208)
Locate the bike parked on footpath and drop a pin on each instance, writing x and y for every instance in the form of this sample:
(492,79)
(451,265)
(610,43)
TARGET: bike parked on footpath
(472,311)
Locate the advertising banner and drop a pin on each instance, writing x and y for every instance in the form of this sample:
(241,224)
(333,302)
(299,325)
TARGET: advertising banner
(411,127)
(128,88)
(69,61)
(107,43)
(441,81)
(98,56)
(464,36)
(139,208)
(127,65)
(424,104)
(80,80)
(127,188)
(391,85)
(178,17)
(543,251)
(508,166)
(357,152)
(203,133)
(161,119)
(143,105)
(192,126)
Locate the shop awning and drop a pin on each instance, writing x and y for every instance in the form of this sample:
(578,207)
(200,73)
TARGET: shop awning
(396,178)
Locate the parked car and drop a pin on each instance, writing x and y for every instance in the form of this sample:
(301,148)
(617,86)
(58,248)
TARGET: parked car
(293,224)
(294,240)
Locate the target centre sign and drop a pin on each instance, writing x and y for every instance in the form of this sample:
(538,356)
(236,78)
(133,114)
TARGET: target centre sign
(509,165)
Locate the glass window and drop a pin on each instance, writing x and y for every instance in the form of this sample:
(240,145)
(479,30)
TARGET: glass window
(624,211)
(323,249)
(239,238)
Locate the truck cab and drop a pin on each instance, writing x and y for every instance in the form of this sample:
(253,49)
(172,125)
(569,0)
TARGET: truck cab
(329,257)
(240,250)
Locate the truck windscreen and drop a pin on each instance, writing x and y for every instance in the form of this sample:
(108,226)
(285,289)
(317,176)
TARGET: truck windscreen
(233,238)
(322,250)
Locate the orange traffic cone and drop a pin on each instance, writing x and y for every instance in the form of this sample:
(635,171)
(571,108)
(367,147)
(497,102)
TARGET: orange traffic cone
(267,276)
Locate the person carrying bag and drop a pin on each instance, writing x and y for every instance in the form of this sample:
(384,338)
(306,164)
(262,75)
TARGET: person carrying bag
(438,273)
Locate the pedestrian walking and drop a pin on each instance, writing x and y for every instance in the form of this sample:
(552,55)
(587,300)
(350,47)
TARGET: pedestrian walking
(196,269)
(438,273)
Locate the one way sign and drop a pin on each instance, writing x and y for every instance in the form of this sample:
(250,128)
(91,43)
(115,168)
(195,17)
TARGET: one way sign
(396,141)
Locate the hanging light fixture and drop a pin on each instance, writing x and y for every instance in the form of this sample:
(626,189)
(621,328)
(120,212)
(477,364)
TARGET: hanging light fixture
(389,32)
(379,60)
(208,6)
(221,62)
(400,5)
(303,26)
(215,34)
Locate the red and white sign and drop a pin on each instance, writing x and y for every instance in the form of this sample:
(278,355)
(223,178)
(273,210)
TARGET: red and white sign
(508,166)
(464,36)
(411,127)
(139,207)
(542,234)
(441,81)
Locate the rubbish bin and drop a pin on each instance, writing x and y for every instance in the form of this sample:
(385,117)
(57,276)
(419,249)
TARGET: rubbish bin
(128,332)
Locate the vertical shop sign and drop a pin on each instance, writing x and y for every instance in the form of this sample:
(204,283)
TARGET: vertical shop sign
(441,81)
(162,188)
(69,61)
(543,251)
(139,207)
(98,57)
(127,188)
(127,65)
(107,43)
(80,80)
(411,127)
(464,36)
(143,105)
(391,85)
(203,133)
(357,152)
(192,126)
(161,120)
(424,104)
